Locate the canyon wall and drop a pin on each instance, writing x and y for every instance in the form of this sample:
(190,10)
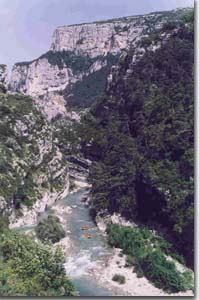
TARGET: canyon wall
(77,54)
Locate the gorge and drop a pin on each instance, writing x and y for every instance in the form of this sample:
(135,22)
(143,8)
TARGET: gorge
(98,131)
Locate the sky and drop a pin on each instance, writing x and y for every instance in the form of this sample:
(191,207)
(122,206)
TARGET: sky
(26,26)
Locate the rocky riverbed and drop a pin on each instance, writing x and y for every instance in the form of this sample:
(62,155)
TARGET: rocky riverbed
(133,286)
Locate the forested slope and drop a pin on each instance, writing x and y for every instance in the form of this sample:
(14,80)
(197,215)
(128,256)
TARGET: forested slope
(31,170)
(139,136)
(29,268)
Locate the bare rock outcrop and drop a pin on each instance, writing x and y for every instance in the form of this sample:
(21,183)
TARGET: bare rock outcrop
(76,52)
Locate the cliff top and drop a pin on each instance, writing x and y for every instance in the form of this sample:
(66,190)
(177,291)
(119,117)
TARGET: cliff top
(129,18)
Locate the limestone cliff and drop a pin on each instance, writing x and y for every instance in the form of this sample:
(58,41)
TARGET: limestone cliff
(75,69)
(98,38)
(77,54)
(42,81)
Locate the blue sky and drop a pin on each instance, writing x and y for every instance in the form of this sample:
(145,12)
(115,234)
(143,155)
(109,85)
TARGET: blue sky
(26,26)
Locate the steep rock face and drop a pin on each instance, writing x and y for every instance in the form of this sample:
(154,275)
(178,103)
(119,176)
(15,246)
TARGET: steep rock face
(111,36)
(33,172)
(97,38)
(40,79)
(84,54)
(76,52)
(45,81)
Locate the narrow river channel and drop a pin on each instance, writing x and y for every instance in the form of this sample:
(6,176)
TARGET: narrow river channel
(85,253)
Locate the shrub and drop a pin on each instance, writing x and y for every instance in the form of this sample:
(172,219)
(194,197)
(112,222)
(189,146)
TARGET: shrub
(119,278)
(145,251)
(50,229)
(72,185)
(3,223)
(131,240)
(31,269)
(78,63)
(27,193)
(130,260)
(162,273)
(121,254)
(139,273)
(145,42)
(169,26)
(3,89)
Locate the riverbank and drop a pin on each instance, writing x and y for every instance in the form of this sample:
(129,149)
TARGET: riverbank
(116,264)
(133,286)
(29,216)
(113,263)
(85,259)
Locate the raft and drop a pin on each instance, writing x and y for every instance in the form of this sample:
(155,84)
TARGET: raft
(87,235)
(85,227)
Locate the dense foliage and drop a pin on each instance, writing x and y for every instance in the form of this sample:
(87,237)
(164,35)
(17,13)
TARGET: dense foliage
(84,93)
(50,229)
(18,122)
(66,135)
(146,251)
(139,136)
(24,133)
(78,63)
(31,269)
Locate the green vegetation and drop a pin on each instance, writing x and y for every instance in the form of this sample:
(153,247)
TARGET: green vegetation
(188,19)
(133,236)
(146,252)
(130,261)
(14,145)
(139,136)
(22,128)
(50,229)
(27,268)
(3,223)
(168,15)
(78,63)
(3,89)
(169,20)
(31,269)
(26,193)
(84,93)
(119,278)
(119,28)
(67,133)
(164,274)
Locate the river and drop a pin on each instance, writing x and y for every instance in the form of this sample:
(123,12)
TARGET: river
(85,254)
